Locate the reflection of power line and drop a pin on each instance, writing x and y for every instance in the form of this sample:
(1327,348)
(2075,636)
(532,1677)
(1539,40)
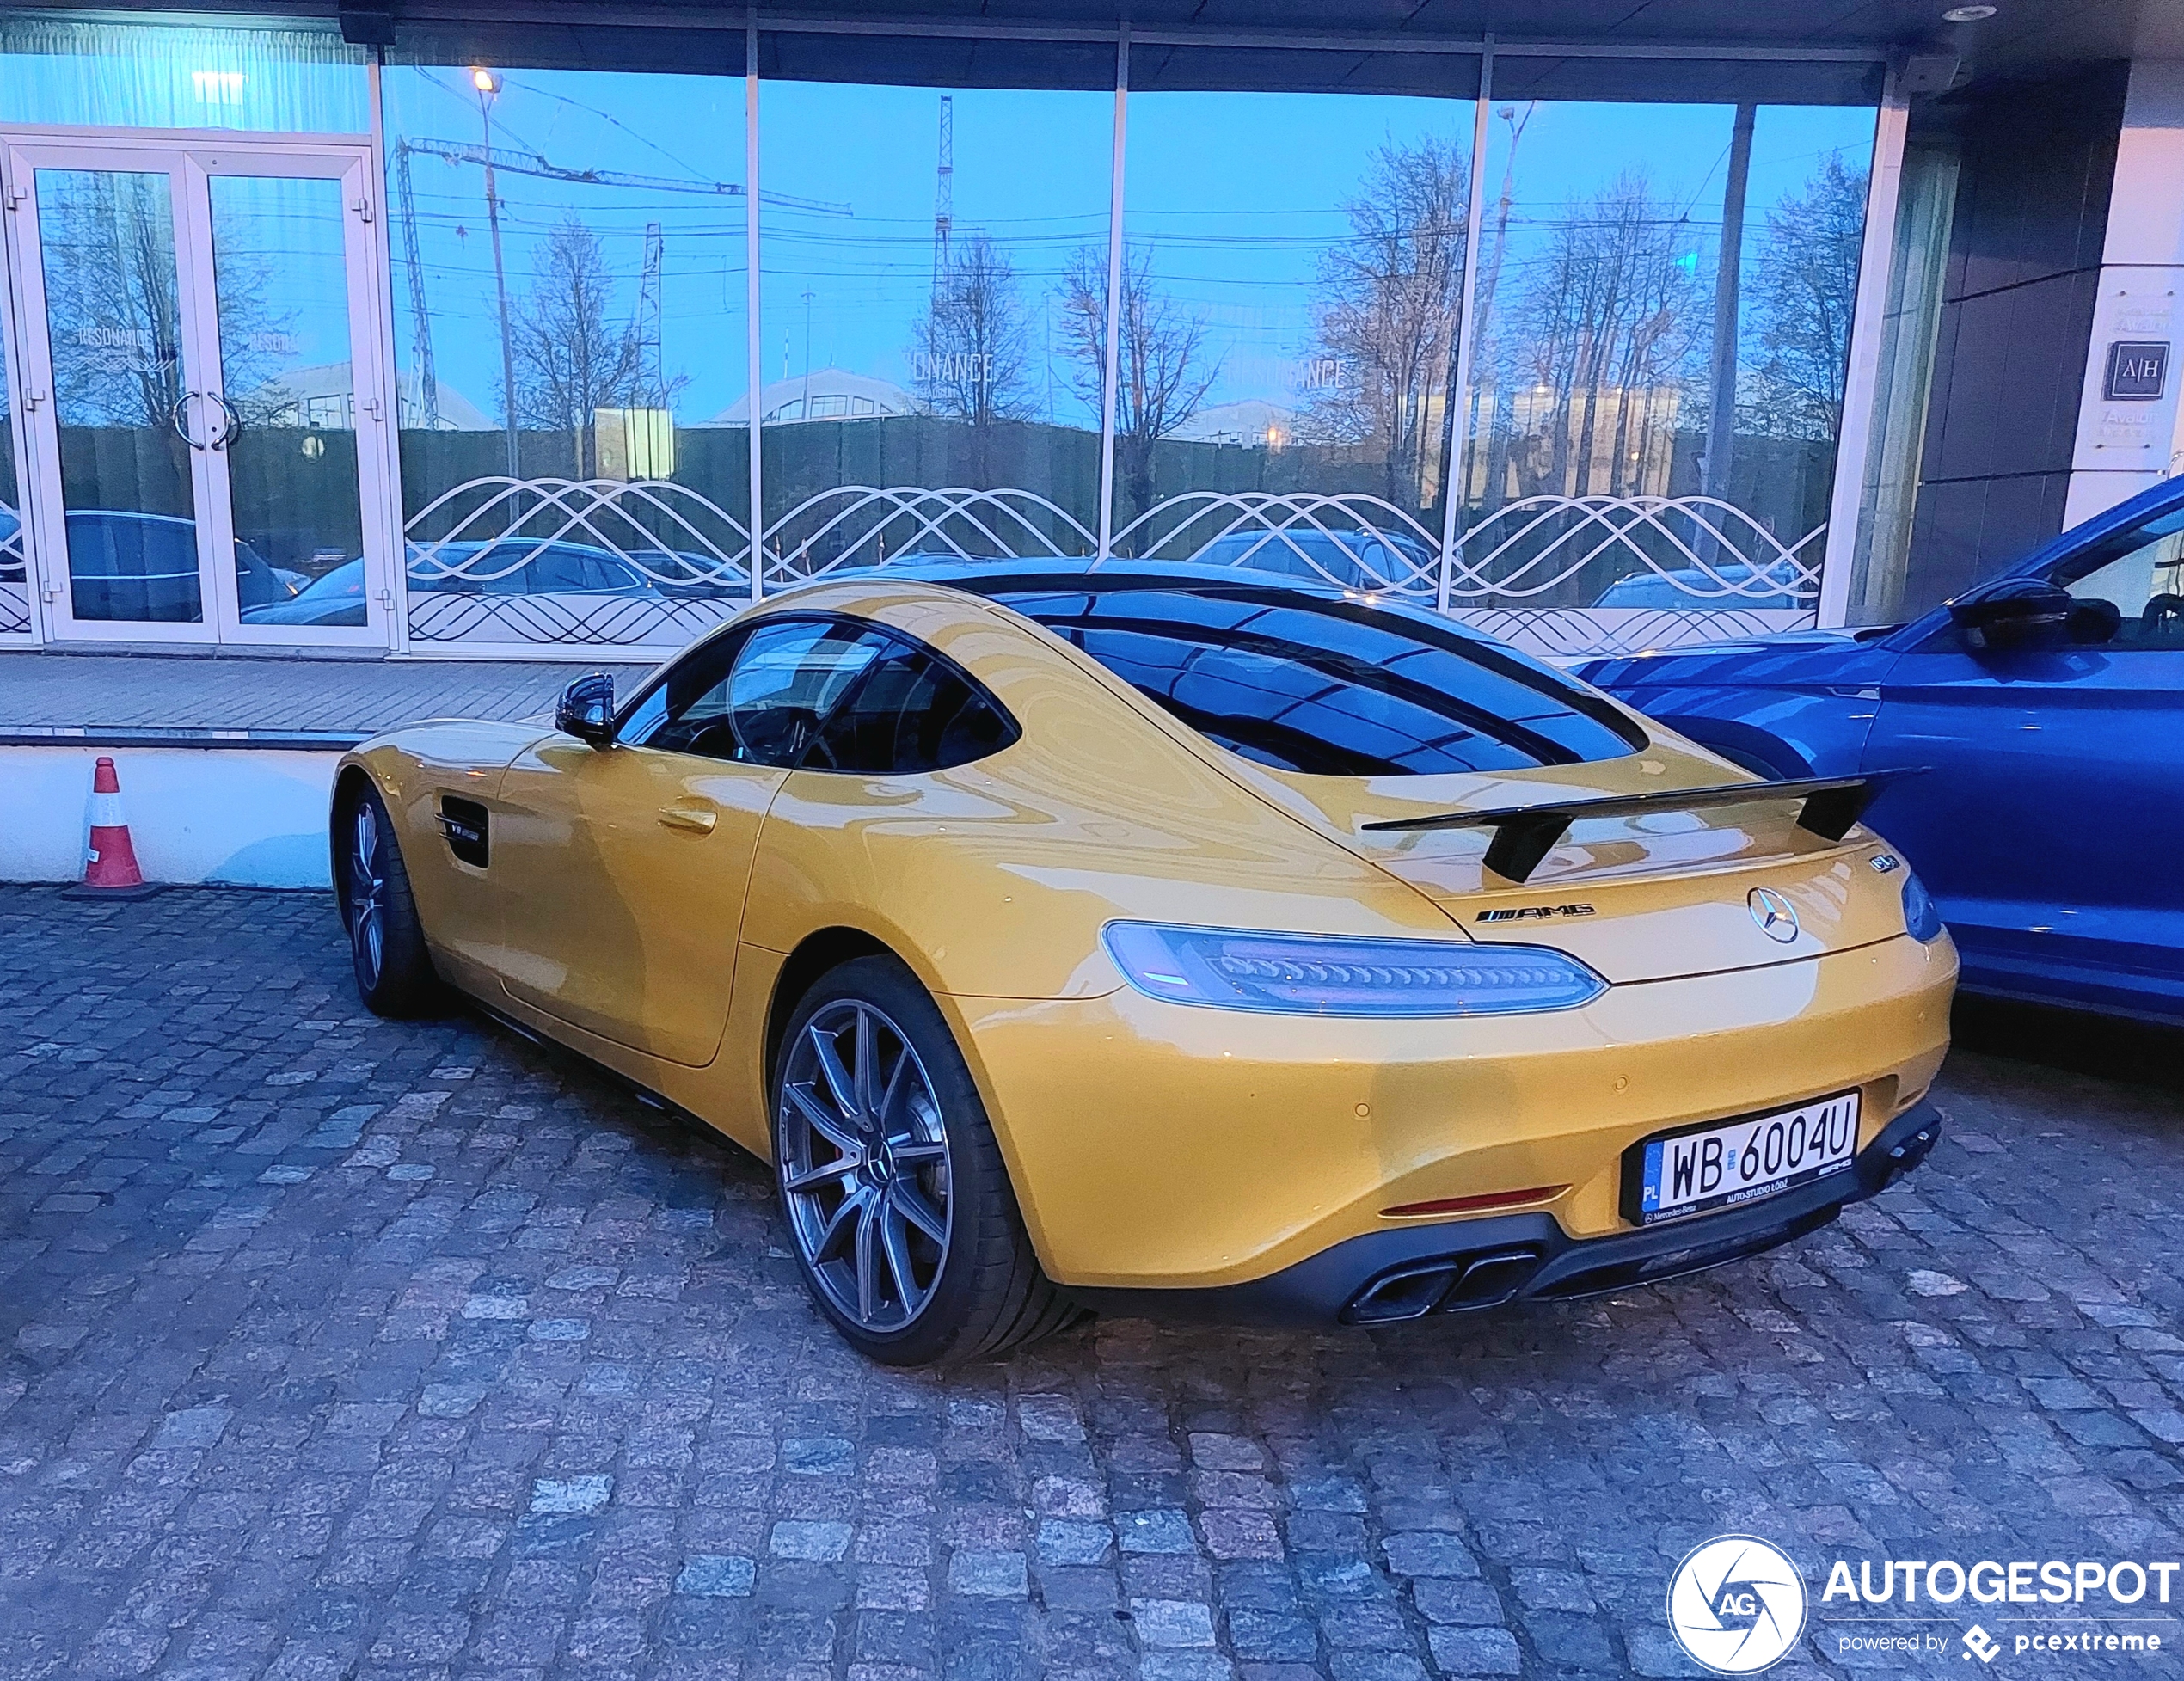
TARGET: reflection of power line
(527,162)
(496,159)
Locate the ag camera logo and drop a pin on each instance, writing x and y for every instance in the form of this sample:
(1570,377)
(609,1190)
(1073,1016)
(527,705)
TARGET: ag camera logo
(1736,1605)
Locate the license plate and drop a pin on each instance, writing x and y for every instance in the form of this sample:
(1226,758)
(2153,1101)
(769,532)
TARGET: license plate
(1738,1161)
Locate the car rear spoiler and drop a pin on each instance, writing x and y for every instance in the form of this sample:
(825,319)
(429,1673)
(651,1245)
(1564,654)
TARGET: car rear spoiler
(1523,835)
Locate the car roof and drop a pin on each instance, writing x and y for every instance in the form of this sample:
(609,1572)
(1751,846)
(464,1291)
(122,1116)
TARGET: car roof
(1192,577)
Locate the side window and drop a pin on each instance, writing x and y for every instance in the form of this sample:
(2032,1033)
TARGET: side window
(695,683)
(913,712)
(2137,599)
(757,699)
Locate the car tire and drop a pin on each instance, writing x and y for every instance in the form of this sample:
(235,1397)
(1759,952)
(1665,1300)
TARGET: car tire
(393,969)
(899,1208)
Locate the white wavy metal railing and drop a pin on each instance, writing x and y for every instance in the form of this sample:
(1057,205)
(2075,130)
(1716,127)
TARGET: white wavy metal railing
(1579,633)
(1708,550)
(582,505)
(682,550)
(937,519)
(1703,532)
(1279,530)
(14,579)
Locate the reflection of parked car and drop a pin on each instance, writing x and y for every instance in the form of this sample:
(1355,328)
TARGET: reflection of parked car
(131,566)
(690,572)
(2047,706)
(498,567)
(335,598)
(1354,560)
(898,886)
(1692,588)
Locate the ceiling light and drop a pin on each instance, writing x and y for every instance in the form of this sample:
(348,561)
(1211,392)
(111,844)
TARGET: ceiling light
(1967,14)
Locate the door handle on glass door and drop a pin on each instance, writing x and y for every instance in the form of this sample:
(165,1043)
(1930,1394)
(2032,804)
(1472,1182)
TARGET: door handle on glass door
(692,816)
(181,418)
(233,429)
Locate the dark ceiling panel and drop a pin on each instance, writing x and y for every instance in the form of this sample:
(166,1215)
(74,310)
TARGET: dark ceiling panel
(936,61)
(1157,69)
(2026,38)
(1694,82)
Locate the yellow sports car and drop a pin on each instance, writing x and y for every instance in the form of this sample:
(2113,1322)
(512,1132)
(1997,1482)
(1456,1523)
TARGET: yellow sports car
(1142,936)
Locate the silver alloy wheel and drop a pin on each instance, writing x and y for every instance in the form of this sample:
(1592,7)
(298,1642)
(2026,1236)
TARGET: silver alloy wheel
(367,894)
(863,1161)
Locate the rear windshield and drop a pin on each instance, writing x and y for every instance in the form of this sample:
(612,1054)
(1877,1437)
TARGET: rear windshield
(1325,686)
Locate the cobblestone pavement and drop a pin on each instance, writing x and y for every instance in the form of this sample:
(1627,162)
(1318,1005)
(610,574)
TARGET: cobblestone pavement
(333,1348)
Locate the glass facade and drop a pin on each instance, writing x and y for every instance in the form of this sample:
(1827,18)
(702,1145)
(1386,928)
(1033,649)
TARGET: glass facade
(114,319)
(1288,335)
(931,291)
(1663,325)
(1571,368)
(567,253)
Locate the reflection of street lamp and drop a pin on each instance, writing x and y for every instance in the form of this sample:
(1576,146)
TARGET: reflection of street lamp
(483,80)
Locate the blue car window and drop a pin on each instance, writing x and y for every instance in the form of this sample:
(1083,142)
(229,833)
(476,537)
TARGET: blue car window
(1328,686)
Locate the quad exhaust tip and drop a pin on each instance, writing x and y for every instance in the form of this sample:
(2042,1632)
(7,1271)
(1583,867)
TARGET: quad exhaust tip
(1449,1283)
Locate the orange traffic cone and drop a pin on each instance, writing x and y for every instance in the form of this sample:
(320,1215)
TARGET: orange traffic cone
(111,871)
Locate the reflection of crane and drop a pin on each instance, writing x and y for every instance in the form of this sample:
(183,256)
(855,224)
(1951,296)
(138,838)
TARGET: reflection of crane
(944,195)
(512,161)
(652,368)
(421,321)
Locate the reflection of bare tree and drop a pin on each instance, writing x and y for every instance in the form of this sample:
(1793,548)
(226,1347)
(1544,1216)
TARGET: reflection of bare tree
(973,350)
(256,340)
(573,356)
(1609,322)
(111,297)
(1805,284)
(1391,303)
(1162,369)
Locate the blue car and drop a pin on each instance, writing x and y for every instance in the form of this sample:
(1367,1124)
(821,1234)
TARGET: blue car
(2046,707)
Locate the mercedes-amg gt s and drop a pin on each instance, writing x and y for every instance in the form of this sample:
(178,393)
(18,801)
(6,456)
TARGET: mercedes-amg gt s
(1140,937)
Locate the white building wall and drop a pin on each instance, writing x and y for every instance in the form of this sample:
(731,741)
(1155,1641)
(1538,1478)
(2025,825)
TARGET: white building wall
(2125,446)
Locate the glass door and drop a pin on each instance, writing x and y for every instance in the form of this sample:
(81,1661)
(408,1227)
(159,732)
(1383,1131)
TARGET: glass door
(205,394)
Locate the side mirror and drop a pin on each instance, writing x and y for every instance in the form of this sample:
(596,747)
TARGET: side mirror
(586,709)
(2023,613)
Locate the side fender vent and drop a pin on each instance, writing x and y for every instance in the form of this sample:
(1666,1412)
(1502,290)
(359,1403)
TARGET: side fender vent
(464,824)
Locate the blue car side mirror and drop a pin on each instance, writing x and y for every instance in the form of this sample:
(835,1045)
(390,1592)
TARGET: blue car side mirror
(586,709)
(2017,615)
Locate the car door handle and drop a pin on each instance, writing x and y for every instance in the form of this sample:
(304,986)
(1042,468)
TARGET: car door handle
(699,818)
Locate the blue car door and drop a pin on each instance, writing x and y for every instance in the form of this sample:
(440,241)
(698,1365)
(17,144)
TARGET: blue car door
(2055,782)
